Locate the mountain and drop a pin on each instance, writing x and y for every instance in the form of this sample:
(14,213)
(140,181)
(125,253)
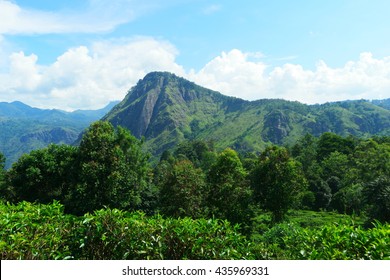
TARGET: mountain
(24,128)
(385,103)
(166,109)
(93,115)
(20,110)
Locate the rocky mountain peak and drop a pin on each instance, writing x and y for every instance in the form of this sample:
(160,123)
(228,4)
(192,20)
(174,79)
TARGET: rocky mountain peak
(167,109)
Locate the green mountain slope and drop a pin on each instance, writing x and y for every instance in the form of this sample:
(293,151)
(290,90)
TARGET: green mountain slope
(23,128)
(166,109)
(385,103)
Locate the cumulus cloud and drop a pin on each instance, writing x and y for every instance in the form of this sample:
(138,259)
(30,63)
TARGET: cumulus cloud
(234,73)
(88,77)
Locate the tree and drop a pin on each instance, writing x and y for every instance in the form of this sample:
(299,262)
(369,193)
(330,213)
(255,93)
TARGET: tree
(113,169)
(2,177)
(337,178)
(335,164)
(229,195)
(377,195)
(200,153)
(182,191)
(305,151)
(45,174)
(331,142)
(334,184)
(348,200)
(2,163)
(322,193)
(167,156)
(371,160)
(278,182)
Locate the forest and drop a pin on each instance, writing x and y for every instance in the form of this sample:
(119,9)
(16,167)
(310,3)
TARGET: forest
(325,197)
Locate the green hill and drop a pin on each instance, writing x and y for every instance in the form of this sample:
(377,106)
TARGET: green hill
(23,128)
(166,109)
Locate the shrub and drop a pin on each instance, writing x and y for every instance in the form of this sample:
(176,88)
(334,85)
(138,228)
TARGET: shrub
(34,231)
(345,242)
(330,242)
(114,234)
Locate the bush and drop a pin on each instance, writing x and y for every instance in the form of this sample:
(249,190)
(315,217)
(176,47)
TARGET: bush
(34,231)
(114,234)
(345,242)
(329,242)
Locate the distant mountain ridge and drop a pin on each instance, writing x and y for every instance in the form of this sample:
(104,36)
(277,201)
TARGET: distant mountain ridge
(17,109)
(24,128)
(166,109)
(385,103)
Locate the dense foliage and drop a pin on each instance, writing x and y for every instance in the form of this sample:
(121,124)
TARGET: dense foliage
(2,174)
(31,231)
(329,242)
(112,169)
(278,181)
(24,128)
(349,175)
(37,231)
(44,175)
(107,169)
(196,202)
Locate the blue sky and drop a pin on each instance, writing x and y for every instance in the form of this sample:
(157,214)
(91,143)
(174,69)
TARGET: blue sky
(82,54)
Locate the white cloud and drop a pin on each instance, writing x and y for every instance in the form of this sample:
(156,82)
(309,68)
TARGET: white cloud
(99,16)
(91,76)
(24,71)
(86,77)
(234,73)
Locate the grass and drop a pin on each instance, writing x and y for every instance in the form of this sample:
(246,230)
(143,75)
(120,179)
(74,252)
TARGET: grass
(313,219)
(305,219)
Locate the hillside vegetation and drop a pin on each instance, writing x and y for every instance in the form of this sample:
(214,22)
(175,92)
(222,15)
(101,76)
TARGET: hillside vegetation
(177,171)
(197,202)
(42,232)
(166,110)
(23,128)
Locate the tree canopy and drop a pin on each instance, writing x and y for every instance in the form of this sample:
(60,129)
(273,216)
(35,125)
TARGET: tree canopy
(278,181)
(110,169)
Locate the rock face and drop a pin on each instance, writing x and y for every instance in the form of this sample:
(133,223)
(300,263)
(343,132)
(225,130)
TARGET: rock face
(166,109)
(277,127)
